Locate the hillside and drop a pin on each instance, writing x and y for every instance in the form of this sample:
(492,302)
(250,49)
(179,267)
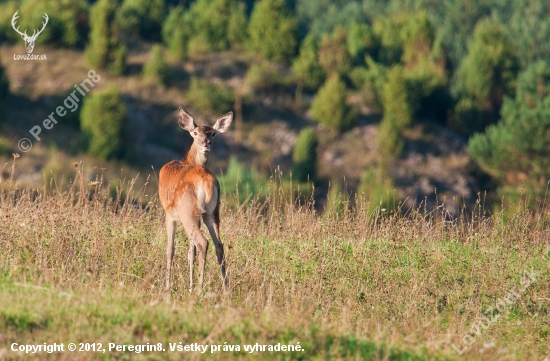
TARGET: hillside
(434,157)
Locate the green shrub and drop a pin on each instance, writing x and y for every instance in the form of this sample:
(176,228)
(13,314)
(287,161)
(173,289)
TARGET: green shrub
(243,182)
(142,18)
(370,81)
(333,53)
(273,31)
(5,148)
(306,66)
(208,21)
(7,9)
(266,76)
(304,156)
(209,97)
(102,120)
(175,33)
(467,117)
(156,68)
(388,31)
(489,70)
(361,41)
(377,190)
(105,50)
(238,22)
(4,83)
(67,24)
(329,106)
(515,150)
(398,111)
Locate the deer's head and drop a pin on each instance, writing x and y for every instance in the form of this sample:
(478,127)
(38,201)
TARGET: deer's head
(29,40)
(203,135)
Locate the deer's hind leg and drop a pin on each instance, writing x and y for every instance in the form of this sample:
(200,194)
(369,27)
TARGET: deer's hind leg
(212,221)
(191,222)
(171,231)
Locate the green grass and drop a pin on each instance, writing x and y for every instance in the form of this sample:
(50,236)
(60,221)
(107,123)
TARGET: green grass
(79,267)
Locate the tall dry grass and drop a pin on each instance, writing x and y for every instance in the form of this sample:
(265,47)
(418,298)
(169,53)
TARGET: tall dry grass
(81,264)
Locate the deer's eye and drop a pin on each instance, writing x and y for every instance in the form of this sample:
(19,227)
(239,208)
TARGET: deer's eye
(214,134)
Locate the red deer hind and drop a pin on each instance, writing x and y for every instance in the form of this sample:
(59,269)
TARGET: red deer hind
(188,192)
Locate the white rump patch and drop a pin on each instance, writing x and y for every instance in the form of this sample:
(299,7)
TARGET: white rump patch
(206,205)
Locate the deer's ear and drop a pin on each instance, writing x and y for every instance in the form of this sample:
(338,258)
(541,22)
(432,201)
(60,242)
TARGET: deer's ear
(185,120)
(223,123)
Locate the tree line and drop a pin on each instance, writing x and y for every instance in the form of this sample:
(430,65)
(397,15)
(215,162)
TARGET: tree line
(480,68)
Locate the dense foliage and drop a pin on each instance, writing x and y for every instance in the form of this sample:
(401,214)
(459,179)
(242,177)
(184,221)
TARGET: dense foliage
(142,17)
(450,62)
(330,108)
(102,120)
(105,49)
(156,68)
(304,155)
(272,30)
(517,149)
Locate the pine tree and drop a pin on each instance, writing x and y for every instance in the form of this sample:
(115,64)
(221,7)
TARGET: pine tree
(142,18)
(333,53)
(304,155)
(489,71)
(517,149)
(105,50)
(156,68)
(398,112)
(176,33)
(330,108)
(273,31)
(102,120)
(306,66)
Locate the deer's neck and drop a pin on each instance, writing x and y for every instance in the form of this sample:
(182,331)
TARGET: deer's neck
(196,157)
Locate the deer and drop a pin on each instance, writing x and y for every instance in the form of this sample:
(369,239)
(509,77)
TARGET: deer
(190,192)
(29,40)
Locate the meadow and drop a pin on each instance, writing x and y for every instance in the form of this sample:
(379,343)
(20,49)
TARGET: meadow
(81,264)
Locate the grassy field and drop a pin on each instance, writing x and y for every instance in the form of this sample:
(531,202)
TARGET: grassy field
(78,266)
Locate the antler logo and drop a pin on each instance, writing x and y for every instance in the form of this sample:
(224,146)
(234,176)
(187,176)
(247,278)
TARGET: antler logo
(29,40)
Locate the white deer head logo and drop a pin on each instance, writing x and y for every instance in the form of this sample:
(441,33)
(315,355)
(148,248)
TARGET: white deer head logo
(29,40)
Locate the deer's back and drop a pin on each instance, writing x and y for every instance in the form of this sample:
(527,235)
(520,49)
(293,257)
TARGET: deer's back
(185,185)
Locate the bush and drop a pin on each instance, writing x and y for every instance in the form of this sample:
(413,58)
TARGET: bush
(215,24)
(238,21)
(142,18)
(7,9)
(361,41)
(273,31)
(209,97)
(398,111)
(175,33)
(67,24)
(489,70)
(333,53)
(467,117)
(105,50)
(5,148)
(388,31)
(102,120)
(370,81)
(156,68)
(377,190)
(306,66)
(243,182)
(515,150)
(4,83)
(304,156)
(266,76)
(329,106)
